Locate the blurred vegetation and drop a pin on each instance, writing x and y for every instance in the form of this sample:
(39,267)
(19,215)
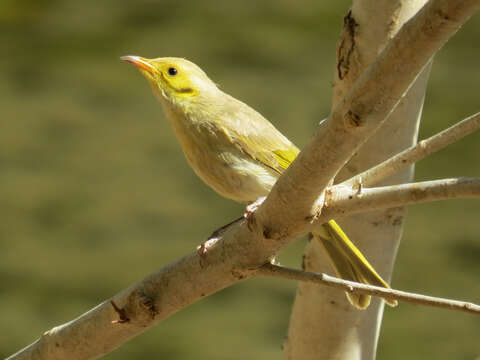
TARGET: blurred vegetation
(96,194)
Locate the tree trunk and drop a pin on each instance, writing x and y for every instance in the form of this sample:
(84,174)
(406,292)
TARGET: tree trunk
(323,324)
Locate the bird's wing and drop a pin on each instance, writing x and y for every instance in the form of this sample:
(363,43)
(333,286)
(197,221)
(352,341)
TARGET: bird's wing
(262,149)
(258,138)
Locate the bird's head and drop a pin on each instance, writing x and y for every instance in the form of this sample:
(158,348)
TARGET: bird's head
(175,80)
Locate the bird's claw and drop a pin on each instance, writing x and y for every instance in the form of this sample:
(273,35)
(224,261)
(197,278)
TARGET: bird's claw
(203,248)
(250,210)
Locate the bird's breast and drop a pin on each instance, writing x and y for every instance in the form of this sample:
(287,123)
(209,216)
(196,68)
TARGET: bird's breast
(221,164)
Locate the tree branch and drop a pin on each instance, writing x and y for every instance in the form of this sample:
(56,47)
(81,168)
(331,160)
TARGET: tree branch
(193,277)
(358,116)
(416,152)
(345,201)
(353,287)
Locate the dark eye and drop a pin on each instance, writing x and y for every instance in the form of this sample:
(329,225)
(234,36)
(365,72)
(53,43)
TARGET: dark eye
(172,71)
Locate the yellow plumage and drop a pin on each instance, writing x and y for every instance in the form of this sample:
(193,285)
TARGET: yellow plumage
(237,152)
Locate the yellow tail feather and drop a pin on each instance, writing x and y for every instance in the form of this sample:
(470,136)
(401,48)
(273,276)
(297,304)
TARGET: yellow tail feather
(348,262)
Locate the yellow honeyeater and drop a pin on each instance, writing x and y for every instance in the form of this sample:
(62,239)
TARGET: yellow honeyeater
(237,152)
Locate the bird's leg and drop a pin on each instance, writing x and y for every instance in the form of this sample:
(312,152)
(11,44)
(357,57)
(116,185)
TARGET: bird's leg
(202,248)
(249,210)
(222,229)
(252,207)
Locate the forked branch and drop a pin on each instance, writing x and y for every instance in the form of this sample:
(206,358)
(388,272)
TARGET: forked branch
(416,153)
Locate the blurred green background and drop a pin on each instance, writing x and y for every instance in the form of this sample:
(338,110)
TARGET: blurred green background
(95,193)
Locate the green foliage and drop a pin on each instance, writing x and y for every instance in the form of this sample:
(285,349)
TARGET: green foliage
(95,192)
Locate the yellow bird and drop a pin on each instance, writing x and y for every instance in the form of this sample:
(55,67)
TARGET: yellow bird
(237,152)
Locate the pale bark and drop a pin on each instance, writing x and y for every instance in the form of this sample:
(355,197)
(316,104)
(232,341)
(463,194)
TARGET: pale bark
(322,325)
(285,215)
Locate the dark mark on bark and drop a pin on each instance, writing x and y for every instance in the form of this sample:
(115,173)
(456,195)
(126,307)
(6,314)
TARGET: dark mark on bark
(267,232)
(238,275)
(443,15)
(148,303)
(346,46)
(397,221)
(352,119)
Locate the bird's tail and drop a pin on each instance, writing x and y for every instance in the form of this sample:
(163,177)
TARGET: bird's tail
(348,262)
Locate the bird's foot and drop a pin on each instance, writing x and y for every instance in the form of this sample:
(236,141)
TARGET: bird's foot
(250,210)
(213,238)
(216,234)
(203,247)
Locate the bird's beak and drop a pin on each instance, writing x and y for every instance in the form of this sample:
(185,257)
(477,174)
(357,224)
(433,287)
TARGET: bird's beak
(139,62)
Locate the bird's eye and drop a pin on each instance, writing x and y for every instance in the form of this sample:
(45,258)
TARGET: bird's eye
(172,71)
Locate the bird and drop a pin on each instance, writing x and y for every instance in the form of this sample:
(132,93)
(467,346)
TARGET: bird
(239,153)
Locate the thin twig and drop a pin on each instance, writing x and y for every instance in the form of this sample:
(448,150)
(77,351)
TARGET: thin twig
(346,201)
(417,152)
(353,287)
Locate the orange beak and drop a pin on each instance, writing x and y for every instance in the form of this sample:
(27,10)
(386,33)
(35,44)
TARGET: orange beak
(139,62)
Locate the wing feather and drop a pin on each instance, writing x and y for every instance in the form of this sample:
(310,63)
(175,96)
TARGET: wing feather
(258,138)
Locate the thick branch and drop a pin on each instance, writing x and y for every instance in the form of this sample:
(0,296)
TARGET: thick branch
(359,114)
(416,152)
(353,287)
